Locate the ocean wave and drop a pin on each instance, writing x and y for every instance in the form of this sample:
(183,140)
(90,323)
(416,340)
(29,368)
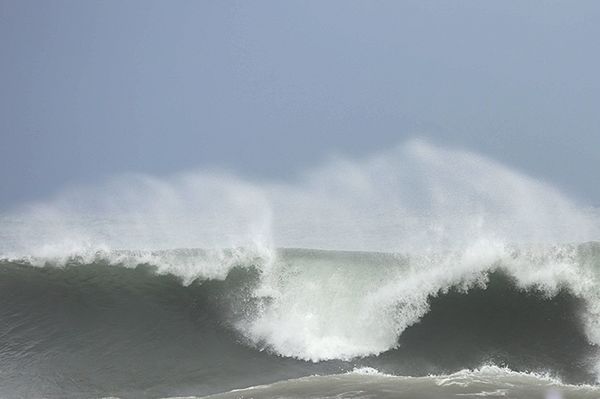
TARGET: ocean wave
(398,236)
(322,305)
(530,309)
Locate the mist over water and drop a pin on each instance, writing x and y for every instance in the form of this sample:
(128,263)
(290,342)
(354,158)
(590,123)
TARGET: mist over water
(372,245)
(416,197)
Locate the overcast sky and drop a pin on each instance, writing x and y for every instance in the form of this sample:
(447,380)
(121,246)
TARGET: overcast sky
(90,89)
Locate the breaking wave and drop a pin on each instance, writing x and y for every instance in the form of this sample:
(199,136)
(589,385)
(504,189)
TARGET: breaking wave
(424,260)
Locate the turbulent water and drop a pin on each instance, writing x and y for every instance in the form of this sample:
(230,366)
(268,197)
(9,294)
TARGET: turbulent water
(440,274)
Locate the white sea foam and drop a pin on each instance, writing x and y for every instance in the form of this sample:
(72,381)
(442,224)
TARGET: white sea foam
(326,306)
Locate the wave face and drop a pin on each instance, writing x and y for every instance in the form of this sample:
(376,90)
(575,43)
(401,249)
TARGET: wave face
(99,328)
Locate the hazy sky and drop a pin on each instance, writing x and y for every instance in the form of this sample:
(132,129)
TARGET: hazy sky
(90,89)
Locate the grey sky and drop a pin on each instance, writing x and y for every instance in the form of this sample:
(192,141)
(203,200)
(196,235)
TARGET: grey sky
(92,89)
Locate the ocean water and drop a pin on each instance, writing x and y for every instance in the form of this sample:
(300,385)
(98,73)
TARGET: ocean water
(420,272)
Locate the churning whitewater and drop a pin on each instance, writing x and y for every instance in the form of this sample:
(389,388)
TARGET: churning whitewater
(444,271)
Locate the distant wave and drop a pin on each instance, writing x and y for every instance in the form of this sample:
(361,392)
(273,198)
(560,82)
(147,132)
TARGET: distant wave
(488,381)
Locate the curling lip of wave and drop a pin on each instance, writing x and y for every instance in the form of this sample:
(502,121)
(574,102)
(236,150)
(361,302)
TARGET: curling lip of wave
(188,264)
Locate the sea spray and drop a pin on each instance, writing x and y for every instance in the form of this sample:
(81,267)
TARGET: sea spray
(414,198)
